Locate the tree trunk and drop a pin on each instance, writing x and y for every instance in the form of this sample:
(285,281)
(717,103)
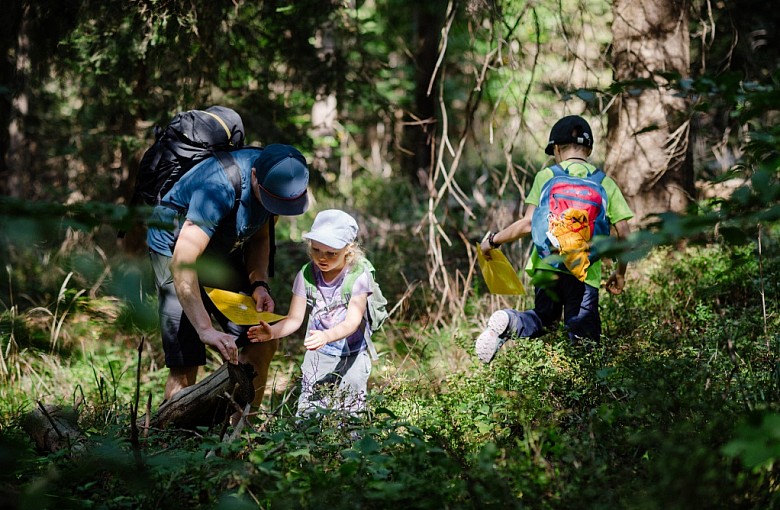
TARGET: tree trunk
(647,145)
(17,156)
(9,40)
(420,130)
(208,402)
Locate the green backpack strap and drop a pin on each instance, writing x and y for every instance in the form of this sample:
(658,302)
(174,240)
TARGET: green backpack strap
(350,279)
(311,289)
(362,266)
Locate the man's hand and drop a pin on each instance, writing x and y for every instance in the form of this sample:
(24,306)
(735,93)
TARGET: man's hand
(224,343)
(264,301)
(615,283)
(260,333)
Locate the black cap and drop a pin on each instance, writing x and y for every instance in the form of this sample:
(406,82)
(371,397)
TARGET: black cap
(570,129)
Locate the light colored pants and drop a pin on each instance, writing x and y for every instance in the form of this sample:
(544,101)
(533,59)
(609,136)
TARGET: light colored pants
(334,382)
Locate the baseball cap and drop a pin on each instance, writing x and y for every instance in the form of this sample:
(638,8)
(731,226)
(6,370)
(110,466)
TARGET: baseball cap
(333,228)
(283,177)
(570,129)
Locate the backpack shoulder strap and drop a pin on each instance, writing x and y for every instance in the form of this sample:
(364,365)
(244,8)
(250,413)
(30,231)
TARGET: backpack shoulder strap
(308,282)
(233,173)
(308,285)
(349,280)
(362,266)
(597,175)
(558,170)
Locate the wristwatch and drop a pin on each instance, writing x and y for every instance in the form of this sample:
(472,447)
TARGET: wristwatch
(259,283)
(490,241)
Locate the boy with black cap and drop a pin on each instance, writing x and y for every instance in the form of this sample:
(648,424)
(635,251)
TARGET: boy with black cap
(203,235)
(576,297)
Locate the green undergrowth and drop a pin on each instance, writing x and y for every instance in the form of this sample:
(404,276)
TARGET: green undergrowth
(676,407)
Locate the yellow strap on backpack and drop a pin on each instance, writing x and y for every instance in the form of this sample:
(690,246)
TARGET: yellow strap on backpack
(221,123)
(499,275)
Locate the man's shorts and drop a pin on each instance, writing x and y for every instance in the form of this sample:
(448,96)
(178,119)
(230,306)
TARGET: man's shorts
(181,343)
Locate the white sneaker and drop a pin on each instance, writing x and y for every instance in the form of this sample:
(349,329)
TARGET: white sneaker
(489,341)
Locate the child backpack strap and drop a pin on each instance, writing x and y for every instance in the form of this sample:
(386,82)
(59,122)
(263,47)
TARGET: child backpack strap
(311,290)
(376,305)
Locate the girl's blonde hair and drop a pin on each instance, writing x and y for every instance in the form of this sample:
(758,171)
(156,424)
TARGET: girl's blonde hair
(354,254)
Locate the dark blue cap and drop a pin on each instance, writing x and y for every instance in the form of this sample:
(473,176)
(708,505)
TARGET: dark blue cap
(283,177)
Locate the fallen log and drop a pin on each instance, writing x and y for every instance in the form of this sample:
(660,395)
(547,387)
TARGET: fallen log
(208,402)
(53,428)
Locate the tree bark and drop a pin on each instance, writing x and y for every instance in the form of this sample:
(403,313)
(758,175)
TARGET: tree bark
(420,130)
(17,156)
(9,40)
(648,128)
(53,428)
(208,402)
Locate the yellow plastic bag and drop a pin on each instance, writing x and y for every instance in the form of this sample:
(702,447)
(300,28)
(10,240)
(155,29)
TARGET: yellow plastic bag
(500,276)
(240,309)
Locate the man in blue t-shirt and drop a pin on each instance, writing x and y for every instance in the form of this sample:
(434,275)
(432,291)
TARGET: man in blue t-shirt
(202,235)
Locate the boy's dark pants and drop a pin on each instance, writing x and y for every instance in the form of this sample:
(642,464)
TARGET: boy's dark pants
(578,302)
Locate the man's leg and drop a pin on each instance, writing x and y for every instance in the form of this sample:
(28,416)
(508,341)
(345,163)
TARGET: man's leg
(259,355)
(184,351)
(178,379)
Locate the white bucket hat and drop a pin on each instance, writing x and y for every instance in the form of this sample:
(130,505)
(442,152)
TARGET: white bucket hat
(333,228)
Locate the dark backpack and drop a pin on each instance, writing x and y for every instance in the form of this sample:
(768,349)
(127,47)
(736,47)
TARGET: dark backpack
(191,137)
(376,308)
(188,139)
(562,193)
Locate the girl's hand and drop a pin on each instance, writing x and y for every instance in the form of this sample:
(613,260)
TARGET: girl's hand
(260,333)
(315,340)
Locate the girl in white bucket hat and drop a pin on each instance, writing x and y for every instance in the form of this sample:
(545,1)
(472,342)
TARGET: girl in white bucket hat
(334,287)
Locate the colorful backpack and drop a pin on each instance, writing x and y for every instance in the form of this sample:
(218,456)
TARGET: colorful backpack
(376,308)
(572,212)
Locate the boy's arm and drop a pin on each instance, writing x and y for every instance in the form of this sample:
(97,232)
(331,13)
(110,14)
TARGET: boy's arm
(617,279)
(513,232)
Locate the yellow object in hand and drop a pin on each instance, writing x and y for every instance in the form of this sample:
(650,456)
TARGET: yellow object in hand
(499,275)
(239,308)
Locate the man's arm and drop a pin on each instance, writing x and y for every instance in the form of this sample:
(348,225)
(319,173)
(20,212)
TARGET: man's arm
(258,249)
(190,246)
